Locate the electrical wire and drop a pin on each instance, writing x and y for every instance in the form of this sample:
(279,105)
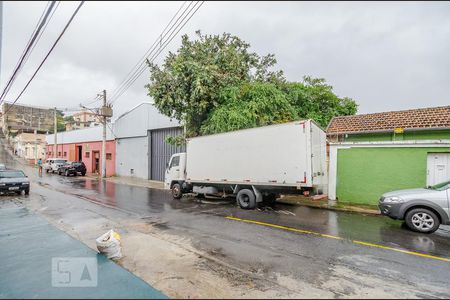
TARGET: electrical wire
(141,62)
(142,59)
(48,54)
(43,30)
(93,100)
(142,67)
(107,123)
(28,49)
(180,25)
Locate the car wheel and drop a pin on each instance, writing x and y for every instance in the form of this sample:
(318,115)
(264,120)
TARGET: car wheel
(27,191)
(46,170)
(82,174)
(246,199)
(176,191)
(422,220)
(66,173)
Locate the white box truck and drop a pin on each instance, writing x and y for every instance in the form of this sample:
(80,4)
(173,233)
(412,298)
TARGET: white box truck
(252,164)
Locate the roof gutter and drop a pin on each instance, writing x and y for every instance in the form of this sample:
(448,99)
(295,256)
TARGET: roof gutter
(388,130)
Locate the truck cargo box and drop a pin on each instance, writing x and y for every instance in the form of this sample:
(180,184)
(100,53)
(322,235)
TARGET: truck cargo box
(286,155)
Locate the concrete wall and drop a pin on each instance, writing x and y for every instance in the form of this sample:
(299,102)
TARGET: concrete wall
(361,172)
(132,153)
(139,120)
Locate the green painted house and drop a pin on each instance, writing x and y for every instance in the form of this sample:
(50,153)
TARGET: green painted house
(372,154)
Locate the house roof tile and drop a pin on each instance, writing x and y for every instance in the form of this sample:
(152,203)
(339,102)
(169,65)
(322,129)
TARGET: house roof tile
(432,117)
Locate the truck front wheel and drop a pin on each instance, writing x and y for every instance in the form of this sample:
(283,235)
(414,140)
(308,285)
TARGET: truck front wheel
(246,199)
(176,191)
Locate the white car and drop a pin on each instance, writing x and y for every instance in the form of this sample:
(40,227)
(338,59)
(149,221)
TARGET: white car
(53,164)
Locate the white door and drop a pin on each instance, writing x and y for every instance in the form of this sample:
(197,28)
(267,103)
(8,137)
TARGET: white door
(438,168)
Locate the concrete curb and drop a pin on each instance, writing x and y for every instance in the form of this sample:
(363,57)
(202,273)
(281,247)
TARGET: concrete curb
(336,207)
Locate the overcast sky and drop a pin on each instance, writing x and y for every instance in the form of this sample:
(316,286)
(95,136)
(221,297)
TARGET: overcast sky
(385,55)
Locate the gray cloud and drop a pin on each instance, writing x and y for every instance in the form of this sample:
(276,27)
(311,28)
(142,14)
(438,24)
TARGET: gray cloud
(385,55)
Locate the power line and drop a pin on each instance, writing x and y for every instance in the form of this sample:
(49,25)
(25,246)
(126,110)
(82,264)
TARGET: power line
(154,57)
(93,100)
(141,62)
(172,35)
(48,54)
(32,34)
(28,49)
(97,113)
(43,30)
(142,68)
(142,59)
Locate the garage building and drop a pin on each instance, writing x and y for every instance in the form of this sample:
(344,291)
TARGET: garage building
(141,147)
(375,153)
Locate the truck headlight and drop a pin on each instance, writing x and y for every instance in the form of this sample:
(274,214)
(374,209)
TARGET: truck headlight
(393,200)
(2,184)
(25,183)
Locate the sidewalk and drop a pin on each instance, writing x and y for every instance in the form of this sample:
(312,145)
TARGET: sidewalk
(328,204)
(152,184)
(31,248)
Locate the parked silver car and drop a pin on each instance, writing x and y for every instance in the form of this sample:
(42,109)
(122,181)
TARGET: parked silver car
(422,209)
(53,164)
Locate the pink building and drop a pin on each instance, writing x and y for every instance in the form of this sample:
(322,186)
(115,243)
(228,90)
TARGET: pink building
(84,145)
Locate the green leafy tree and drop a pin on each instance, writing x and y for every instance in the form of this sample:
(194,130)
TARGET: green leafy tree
(249,105)
(60,123)
(69,119)
(314,99)
(216,84)
(188,84)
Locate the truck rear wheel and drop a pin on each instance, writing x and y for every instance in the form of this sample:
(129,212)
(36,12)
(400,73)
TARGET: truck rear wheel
(176,191)
(246,199)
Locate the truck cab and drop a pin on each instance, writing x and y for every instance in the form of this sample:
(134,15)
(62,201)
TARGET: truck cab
(175,171)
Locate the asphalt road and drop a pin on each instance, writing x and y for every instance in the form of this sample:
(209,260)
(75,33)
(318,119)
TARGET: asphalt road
(307,244)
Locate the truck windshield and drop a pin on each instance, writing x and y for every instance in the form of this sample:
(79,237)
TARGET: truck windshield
(12,174)
(175,162)
(441,186)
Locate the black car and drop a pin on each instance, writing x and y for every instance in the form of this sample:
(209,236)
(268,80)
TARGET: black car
(14,181)
(72,168)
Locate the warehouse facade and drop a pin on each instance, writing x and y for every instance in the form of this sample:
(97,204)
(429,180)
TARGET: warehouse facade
(141,147)
(376,153)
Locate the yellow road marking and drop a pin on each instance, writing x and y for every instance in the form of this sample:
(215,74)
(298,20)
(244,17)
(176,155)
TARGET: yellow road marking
(339,238)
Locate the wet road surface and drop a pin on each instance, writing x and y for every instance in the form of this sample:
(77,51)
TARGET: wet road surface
(271,251)
(148,203)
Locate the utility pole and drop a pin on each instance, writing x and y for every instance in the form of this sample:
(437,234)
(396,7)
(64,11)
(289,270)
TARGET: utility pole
(105,112)
(35,147)
(104,137)
(55,145)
